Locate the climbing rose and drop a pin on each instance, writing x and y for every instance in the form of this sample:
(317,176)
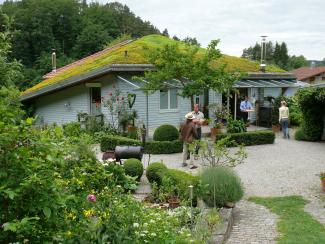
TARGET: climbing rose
(110,93)
(91,198)
(122,98)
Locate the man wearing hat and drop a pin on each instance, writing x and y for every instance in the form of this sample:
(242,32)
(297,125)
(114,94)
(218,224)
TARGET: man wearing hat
(188,134)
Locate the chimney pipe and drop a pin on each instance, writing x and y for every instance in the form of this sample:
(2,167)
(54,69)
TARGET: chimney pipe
(263,54)
(53,61)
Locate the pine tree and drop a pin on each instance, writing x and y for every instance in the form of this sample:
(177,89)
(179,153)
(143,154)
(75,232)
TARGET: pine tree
(284,57)
(165,32)
(277,54)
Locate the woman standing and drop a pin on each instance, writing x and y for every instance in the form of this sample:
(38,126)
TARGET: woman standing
(284,119)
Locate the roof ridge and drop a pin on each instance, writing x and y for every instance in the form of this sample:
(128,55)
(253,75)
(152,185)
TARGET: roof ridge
(111,48)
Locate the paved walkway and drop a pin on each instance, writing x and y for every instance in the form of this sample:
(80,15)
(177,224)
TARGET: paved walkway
(287,167)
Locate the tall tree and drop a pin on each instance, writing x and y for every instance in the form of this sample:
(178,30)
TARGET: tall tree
(284,57)
(10,69)
(191,41)
(194,72)
(165,32)
(296,62)
(277,53)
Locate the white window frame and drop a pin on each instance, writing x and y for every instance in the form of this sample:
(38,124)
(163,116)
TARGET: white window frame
(164,110)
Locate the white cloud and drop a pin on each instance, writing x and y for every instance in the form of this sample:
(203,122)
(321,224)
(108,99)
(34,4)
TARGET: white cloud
(238,23)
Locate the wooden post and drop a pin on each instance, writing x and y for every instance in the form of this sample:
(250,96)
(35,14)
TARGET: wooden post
(235,109)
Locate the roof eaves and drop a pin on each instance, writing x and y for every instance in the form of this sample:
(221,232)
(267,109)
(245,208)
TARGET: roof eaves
(78,79)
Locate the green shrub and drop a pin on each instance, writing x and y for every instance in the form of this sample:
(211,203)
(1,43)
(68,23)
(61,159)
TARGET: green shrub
(155,172)
(222,185)
(166,133)
(249,138)
(109,142)
(182,180)
(235,126)
(164,147)
(133,167)
(300,135)
(295,118)
(72,129)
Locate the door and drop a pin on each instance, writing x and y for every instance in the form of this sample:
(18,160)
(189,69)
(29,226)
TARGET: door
(95,99)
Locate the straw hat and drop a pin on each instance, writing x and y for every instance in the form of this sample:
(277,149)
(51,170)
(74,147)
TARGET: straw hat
(189,116)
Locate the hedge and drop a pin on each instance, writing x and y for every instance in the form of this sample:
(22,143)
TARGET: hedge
(109,142)
(249,138)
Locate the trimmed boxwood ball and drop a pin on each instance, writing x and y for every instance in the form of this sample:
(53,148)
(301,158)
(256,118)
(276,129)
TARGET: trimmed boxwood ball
(166,133)
(133,167)
(222,186)
(155,172)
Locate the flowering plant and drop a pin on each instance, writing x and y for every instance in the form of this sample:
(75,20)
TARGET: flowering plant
(322,175)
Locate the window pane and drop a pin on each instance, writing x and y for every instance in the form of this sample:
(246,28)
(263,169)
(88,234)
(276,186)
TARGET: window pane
(163,100)
(173,98)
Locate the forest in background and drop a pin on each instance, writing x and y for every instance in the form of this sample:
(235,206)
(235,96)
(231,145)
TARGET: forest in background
(73,28)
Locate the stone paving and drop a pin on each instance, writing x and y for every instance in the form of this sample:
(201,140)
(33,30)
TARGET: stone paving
(253,224)
(287,167)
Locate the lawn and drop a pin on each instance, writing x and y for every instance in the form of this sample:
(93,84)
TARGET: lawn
(295,225)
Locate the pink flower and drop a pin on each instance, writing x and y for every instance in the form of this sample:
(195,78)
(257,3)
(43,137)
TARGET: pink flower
(91,198)
(122,98)
(110,94)
(117,98)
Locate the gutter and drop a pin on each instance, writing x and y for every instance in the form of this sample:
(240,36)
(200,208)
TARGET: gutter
(81,78)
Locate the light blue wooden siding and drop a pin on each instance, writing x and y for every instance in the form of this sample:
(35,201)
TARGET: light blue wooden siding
(214,98)
(54,108)
(156,116)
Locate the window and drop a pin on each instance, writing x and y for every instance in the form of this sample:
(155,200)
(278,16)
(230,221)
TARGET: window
(168,99)
(95,96)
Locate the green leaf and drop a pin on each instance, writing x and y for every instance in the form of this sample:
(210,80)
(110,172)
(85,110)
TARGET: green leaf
(47,212)
(29,121)
(10,226)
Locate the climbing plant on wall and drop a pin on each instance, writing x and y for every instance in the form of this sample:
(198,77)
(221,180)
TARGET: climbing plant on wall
(312,104)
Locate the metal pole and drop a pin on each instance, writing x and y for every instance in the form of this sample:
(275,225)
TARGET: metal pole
(235,115)
(147,115)
(228,103)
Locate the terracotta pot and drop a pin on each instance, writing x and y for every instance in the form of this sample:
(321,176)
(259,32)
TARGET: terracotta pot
(215,131)
(323,184)
(276,128)
(174,202)
(131,128)
(108,154)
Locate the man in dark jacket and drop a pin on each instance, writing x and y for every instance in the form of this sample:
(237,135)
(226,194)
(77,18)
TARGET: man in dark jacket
(188,133)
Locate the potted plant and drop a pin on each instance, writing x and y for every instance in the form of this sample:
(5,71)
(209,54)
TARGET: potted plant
(174,202)
(216,128)
(322,179)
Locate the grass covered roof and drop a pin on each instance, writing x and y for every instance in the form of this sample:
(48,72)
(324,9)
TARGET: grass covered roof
(136,55)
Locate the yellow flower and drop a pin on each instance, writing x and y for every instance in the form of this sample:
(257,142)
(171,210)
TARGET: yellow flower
(71,216)
(68,233)
(88,213)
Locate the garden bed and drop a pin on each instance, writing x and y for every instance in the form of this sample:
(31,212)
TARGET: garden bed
(249,138)
(109,142)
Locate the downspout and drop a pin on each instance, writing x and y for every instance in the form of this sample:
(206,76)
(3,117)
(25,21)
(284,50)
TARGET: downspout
(235,114)
(147,115)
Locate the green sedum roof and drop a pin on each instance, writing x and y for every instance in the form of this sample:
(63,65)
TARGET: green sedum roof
(136,55)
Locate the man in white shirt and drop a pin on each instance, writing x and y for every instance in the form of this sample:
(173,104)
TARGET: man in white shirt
(244,107)
(198,120)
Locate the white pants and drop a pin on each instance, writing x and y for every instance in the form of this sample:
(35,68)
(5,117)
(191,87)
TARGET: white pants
(186,153)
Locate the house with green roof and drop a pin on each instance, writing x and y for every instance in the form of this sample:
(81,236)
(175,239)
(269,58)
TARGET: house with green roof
(80,86)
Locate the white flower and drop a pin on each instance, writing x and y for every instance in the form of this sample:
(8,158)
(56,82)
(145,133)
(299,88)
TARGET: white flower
(188,235)
(135,225)
(145,224)
(142,234)
(111,160)
(152,221)
(153,234)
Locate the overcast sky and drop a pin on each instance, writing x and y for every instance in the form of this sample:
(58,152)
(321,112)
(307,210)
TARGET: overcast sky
(239,23)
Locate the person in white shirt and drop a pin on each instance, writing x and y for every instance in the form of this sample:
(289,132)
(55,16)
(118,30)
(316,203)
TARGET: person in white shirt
(284,119)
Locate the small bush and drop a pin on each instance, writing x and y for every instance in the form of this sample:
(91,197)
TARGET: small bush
(182,180)
(133,167)
(72,129)
(300,135)
(166,133)
(164,147)
(109,142)
(155,172)
(222,186)
(249,138)
(235,126)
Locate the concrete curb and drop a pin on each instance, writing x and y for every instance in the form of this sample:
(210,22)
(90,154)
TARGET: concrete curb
(225,227)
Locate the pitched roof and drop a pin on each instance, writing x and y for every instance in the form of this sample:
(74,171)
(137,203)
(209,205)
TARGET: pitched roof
(304,73)
(103,61)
